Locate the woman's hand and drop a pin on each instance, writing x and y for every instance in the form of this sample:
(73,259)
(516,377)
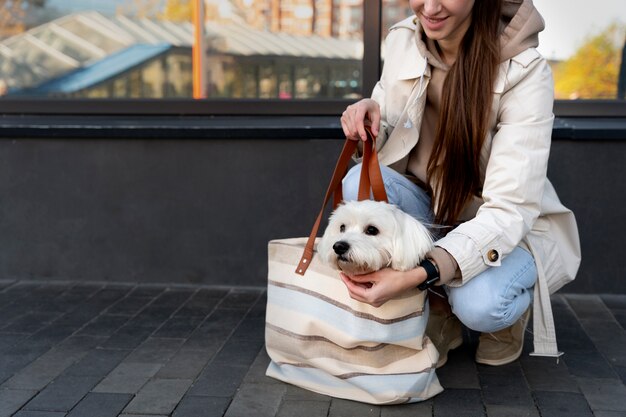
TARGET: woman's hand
(363,113)
(381,286)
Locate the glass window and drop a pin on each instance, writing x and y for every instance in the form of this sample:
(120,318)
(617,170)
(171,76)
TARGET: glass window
(585,45)
(262,49)
(288,49)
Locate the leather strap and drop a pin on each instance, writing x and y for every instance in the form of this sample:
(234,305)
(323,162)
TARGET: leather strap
(371,179)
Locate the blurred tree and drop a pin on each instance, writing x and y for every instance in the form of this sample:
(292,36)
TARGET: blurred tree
(14,15)
(592,72)
(621,83)
(178,10)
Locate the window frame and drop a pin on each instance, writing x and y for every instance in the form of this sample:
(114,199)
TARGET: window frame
(371,69)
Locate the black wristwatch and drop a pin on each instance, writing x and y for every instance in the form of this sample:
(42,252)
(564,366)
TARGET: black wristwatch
(432,275)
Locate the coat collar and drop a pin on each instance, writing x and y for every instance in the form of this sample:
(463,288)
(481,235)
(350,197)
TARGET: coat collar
(412,54)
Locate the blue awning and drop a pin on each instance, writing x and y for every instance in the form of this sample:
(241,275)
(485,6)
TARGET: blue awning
(100,71)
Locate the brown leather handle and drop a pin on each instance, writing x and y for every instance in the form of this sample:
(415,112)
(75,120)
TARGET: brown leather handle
(371,179)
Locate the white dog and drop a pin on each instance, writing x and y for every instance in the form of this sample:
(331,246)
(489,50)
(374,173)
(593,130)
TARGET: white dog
(365,236)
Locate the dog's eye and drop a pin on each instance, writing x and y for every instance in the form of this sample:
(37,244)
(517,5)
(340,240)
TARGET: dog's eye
(342,228)
(371,231)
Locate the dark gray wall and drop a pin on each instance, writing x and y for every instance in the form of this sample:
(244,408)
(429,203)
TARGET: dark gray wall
(202,211)
(590,177)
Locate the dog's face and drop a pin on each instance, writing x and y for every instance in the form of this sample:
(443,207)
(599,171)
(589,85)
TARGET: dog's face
(365,236)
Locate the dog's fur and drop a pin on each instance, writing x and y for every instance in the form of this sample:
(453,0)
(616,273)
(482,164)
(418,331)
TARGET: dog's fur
(365,236)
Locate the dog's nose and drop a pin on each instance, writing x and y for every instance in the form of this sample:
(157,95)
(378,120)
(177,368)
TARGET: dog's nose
(341,247)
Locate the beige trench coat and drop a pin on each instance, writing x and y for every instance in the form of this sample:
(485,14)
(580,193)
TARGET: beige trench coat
(519,206)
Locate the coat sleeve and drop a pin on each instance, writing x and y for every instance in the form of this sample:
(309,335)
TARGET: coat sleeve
(515,173)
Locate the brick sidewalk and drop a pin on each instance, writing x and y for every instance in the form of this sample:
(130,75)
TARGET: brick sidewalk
(95,350)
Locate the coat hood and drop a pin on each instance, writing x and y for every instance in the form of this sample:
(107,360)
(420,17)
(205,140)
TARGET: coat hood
(522,24)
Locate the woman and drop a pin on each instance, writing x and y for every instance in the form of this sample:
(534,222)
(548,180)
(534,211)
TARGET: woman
(463,119)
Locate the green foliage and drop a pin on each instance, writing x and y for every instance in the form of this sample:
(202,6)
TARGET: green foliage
(592,72)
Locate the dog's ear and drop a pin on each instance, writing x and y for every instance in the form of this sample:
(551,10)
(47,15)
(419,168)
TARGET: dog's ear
(411,242)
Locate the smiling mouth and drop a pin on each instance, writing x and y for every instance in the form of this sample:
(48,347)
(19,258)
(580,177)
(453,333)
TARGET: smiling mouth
(434,19)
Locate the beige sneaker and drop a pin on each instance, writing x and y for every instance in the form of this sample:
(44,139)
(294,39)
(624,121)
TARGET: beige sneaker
(504,346)
(446,333)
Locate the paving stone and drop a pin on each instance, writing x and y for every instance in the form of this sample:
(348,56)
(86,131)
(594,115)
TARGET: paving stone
(202,303)
(129,306)
(214,337)
(78,318)
(100,405)
(259,307)
(185,364)
(159,396)
(570,335)
(172,297)
(215,329)
(604,394)
(588,365)
(6,283)
(13,361)
(562,404)
(63,393)
(104,325)
(12,400)
(50,335)
(127,378)
(8,340)
(345,408)
(546,374)
(179,327)
(620,316)
(421,409)
(299,394)
(193,406)
(128,336)
(504,385)
(98,362)
(460,370)
(29,323)
(609,338)
(614,301)
(152,317)
(103,299)
(256,400)
(290,408)
(242,352)
(218,381)
(621,371)
(50,365)
(72,298)
(240,299)
(512,411)
(155,350)
(147,290)
(13,309)
(143,415)
(588,306)
(458,403)
(40,414)
(256,372)
(250,329)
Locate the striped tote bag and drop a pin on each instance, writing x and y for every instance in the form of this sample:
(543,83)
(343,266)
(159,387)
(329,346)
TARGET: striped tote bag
(320,339)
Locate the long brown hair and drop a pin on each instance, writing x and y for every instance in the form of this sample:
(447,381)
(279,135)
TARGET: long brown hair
(454,165)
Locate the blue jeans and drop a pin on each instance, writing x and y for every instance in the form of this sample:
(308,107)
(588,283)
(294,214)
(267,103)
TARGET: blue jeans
(492,300)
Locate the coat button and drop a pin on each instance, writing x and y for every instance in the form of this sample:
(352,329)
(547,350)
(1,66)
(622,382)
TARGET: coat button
(493,255)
